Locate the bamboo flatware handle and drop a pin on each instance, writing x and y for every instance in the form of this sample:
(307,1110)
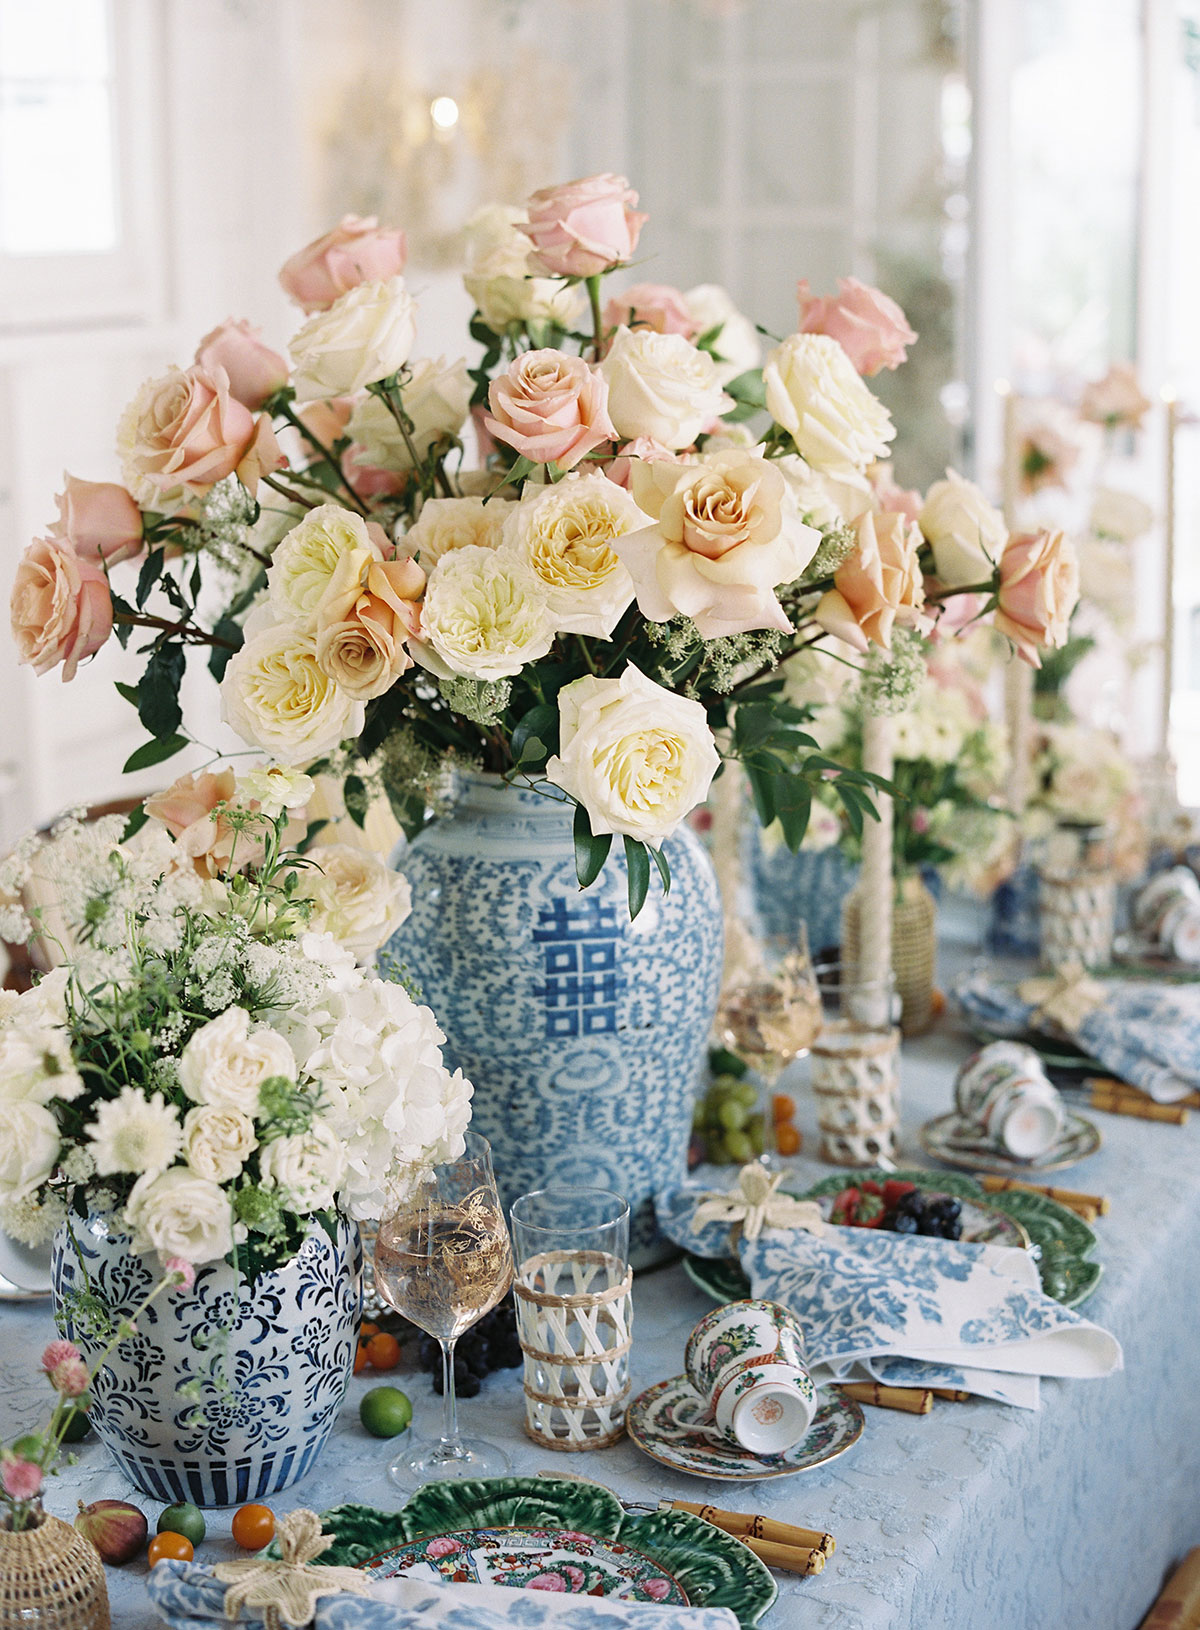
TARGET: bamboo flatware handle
(799,1559)
(952,1395)
(911,1400)
(1140,1108)
(1096,1204)
(751,1525)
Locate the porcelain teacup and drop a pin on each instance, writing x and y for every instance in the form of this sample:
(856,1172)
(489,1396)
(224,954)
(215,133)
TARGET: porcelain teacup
(1005,1094)
(746,1362)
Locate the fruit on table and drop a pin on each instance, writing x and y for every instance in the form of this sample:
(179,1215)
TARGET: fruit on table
(383,1351)
(78,1426)
(899,1207)
(170,1546)
(183,1518)
(117,1529)
(490,1344)
(254,1526)
(728,1121)
(385,1411)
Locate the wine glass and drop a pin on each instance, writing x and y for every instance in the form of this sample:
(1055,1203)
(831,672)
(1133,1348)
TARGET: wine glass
(770,1013)
(443,1259)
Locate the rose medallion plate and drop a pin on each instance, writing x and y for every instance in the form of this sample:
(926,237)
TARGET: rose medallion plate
(951,1140)
(662,1421)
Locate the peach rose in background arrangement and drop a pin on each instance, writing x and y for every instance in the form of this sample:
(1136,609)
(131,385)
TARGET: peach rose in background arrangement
(1115,401)
(1049,445)
(652,305)
(357,250)
(255,371)
(184,432)
(99,520)
(878,586)
(868,325)
(1039,586)
(61,608)
(552,408)
(366,614)
(186,808)
(584,227)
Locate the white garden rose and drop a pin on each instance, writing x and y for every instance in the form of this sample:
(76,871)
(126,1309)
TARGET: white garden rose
(180,1214)
(307,1167)
(635,755)
(564,534)
(485,616)
(304,563)
(217,1141)
(814,393)
(364,336)
(498,274)
(436,397)
(965,532)
(276,696)
(827,501)
(225,1064)
(453,523)
(29,1148)
(356,898)
(660,386)
(737,346)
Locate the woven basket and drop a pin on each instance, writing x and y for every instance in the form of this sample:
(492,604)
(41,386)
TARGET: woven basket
(857,1091)
(576,1343)
(51,1577)
(914,949)
(1075,918)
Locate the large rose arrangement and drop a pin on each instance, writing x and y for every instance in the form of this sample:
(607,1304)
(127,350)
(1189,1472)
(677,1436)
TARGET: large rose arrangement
(663,519)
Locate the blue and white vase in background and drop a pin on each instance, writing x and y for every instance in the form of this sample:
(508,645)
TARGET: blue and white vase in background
(810,886)
(584,1033)
(228,1391)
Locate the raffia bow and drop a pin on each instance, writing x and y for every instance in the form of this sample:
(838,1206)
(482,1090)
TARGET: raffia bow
(755,1204)
(1064,1000)
(287,1590)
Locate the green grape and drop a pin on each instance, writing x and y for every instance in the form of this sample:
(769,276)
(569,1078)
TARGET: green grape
(756,1132)
(740,1147)
(732,1115)
(746,1093)
(717,1152)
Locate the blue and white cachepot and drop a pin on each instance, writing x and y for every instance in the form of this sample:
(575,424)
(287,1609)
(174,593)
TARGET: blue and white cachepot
(229,1390)
(583,1033)
(811,886)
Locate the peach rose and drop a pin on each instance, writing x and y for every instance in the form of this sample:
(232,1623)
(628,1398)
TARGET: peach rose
(363,620)
(1116,399)
(357,251)
(327,419)
(866,323)
(186,808)
(879,585)
(99,520)
(186,431)
(61,608)
(1039,585)
(583,227)
(255,371)
(550,407)
(652,305)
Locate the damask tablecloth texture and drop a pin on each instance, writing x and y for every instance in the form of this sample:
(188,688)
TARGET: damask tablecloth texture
(974,1516)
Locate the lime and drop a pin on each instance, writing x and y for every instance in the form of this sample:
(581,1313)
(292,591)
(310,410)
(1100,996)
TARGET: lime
(78,1426)
(385,1411)
(185,1519)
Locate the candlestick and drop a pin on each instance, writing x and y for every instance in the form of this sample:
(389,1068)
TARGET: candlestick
(1168,638)
(875,883)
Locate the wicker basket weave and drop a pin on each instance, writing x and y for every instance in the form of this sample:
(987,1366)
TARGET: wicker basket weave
(51,1578)
(575,1320)
(914,949)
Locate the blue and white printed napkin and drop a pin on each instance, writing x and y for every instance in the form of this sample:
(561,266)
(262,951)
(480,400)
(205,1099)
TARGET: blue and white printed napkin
(188,1597)
(1143,1032)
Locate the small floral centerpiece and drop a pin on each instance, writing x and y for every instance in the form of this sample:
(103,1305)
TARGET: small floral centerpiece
(1085,804)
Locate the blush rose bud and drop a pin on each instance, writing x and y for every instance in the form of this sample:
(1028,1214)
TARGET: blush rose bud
(358,250)
(255,371)
(99,519)
(868,325)
(61,609)
(584,227)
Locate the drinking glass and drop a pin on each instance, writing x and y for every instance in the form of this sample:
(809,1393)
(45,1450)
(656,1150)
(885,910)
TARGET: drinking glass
(770,1013)
(443,1259)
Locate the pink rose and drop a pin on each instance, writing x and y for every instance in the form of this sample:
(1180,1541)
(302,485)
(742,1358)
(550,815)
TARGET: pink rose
(357,251)
(1116,399)
(327,420)
(185,1271)
(99,519)
(583,227)
(442,1546)
(371,480)
(550,407)
(657,1589)
(888,496)
(186,431)
(620,469)
(879,585)
(61,608)
(59,1352)
(866,323)
(186,808)
(1039,585)
(547,1581)
(652,305)
(22,1480)
(70,1378)
(255,371)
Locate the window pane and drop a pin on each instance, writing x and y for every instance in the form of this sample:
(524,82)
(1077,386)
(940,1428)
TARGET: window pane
(54,39)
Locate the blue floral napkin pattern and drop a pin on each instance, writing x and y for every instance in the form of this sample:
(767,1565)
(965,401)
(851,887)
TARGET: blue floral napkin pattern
(1144,1032)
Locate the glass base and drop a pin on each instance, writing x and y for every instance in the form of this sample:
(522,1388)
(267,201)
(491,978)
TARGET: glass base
(434,1461)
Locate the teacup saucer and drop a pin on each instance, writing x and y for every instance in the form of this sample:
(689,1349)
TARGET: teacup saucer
(662,1422)
(955,1142)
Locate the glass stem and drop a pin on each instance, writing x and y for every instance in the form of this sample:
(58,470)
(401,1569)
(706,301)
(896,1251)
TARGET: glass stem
(449,1401)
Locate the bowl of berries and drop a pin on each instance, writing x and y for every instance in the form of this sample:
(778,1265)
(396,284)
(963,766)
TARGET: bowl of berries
(900,1207)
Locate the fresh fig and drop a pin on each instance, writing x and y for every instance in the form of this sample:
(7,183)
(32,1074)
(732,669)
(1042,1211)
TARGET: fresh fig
(117,1529)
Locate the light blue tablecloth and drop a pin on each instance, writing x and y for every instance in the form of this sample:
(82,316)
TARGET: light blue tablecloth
(975,1517)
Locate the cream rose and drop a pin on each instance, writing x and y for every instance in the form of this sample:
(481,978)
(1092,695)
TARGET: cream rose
(736,348)
(814,393)
(725,535)
(180,1214)
(499,274)
(186,431)
(436,396)
(277,696)
(306,559)
(484,615)
(454,523)
(364,620)
(825,501)
(660,386)
(564,534)
(307,1167)
(965,532)
(217,1141)
(364,336)
(636,756)
(356,898)
(28,1149)
(225,1063)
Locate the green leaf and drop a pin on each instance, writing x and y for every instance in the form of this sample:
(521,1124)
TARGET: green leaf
(225,628)
(748,388)
(722,1062)
(357,799)
(154,752)
(664,868)
(158,691)
(129,692)
(762,790)
(532,731)
(793,802)
(637,862)
(137,820)
(591,849)
(150,573)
